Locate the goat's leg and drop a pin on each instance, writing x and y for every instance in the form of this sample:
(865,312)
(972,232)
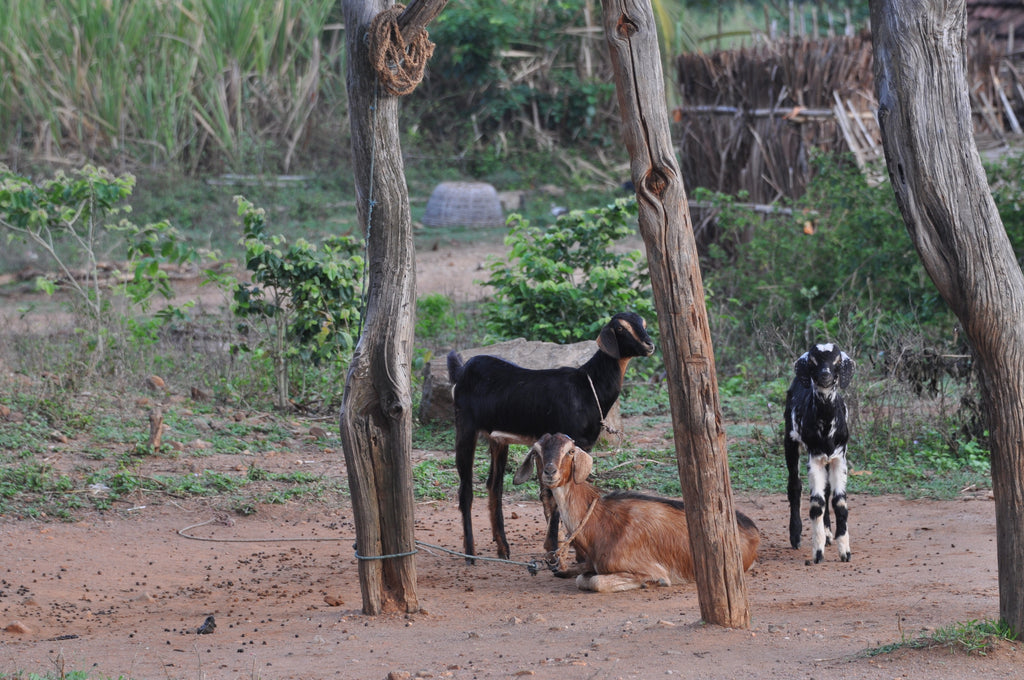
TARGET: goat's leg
(547,500)
(817,479)
(495,487)
(828,518)
(837,478)
(609,583)
(794,490)
(465,450)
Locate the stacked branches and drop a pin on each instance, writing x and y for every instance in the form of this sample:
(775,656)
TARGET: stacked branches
(750,116)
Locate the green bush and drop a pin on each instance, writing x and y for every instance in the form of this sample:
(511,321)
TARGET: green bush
(505,69)
(78,219)
(302,306)
(562,284)
(839,267)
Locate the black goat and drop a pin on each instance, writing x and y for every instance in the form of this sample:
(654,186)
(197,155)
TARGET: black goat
(816,417)
(509,404)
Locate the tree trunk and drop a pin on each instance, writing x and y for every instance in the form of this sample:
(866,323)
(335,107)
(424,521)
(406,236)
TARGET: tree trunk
(940,185)
(376,412)
(682,315)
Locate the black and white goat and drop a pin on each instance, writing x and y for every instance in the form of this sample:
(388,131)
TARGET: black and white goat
(625,539)
(509,404)
(816,418)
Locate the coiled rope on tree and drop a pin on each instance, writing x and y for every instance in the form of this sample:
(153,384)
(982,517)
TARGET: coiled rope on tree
(399,64)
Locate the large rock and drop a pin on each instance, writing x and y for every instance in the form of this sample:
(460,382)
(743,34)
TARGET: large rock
(436,403)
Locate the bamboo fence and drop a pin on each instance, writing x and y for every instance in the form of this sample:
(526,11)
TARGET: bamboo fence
(749,117)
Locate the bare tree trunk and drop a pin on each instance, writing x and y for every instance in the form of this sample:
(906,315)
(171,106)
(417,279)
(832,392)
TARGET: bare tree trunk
(376,413)
(940,185)
(682,314)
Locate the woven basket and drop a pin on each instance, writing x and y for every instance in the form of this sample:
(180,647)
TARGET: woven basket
(466,204)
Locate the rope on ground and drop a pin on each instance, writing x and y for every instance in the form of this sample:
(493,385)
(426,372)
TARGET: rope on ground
(533,566)
(181,532)
(399,65)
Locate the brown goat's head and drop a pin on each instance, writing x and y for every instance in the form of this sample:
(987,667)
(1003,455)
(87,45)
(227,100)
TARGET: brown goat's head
(557,461)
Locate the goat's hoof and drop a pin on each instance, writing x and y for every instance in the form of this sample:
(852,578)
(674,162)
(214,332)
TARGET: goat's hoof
(819,555)
(795,542)
(844,557)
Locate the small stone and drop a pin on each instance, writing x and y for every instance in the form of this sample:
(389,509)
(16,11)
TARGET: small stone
(333,600)
(209,625)
(18,628)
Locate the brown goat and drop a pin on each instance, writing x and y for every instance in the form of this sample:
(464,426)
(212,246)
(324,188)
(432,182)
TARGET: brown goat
(624,540)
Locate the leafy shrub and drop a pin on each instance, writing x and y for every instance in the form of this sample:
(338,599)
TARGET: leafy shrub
(74,219)
(839,267)
(562,284)
(475,90)
(305,299)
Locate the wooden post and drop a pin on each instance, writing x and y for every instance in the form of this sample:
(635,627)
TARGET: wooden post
(376,413)
(924,111)
(682,315)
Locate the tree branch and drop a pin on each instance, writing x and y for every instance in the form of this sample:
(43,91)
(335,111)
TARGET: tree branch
(417,15)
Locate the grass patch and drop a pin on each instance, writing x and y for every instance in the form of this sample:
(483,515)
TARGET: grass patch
(652,470)
(62,675)
(434,435)
(970,637)
(62,457)
(434,479)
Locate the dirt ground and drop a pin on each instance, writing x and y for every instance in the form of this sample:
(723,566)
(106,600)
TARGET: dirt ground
(123,593)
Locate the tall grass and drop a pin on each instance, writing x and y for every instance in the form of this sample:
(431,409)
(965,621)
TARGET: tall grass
(197,83)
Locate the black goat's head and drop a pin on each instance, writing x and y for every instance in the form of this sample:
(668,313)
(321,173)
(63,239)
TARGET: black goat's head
(626,336)
(824,366)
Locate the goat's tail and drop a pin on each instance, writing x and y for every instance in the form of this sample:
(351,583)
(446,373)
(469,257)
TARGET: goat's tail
(750,539)
(454,367)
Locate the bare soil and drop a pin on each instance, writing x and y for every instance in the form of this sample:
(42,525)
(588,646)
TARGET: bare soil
(123,593)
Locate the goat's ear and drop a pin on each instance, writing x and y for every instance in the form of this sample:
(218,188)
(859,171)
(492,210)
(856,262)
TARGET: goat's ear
(607,341)
(802,368)
(527,467)
(582,465)
(846,371)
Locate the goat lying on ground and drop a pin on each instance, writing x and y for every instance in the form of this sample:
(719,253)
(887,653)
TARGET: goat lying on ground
(509,404)
(626,540)
(816,417)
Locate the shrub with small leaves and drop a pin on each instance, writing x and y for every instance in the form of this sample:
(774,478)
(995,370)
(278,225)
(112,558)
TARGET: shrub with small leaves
(306,299)
(74,218)
(561,284)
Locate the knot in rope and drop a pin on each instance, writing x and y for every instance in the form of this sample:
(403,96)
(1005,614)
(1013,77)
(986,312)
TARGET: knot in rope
(399,65)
